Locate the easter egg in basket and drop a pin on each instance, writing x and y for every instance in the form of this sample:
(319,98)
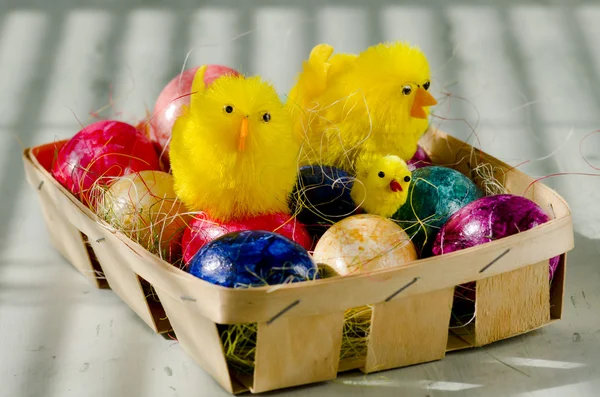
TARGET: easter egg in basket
(99,153)
(419,160)
(488,219)
(175,95)
(145,207)
(435,193)
(362,243)
(253,258)
(203,229)
(322,197)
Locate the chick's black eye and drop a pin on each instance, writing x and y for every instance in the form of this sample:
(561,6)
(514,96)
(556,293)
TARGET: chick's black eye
(266,117)
(406,90)
(228,109)
(426,85)
(381,174)
(407,178)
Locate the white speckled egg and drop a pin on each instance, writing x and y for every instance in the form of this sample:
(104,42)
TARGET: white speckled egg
(364,243)
(145,207)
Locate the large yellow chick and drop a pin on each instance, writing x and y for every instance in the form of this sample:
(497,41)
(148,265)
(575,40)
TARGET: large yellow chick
(348,107)
(233,153)
(382,188)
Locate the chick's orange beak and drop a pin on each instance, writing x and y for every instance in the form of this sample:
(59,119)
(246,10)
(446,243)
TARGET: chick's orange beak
(395,186)
(422,98)
(243,134)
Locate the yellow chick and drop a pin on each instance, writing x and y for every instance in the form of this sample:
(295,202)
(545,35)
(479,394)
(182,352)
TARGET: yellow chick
(348,107)
(382,188)
(232,151)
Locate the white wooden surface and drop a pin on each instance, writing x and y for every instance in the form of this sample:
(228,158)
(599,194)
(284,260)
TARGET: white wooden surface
(525,74)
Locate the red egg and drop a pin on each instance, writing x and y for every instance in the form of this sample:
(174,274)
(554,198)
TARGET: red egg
(99,153)
(173,97)
(202,230)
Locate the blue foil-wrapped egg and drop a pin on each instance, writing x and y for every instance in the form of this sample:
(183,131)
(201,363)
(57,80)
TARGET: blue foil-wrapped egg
(434,194)
(253,258)
(322,197)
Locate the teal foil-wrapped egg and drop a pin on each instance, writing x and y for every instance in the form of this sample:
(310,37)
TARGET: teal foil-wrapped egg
(434,194)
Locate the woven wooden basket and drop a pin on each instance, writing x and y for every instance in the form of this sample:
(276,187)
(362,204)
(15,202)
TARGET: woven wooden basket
(300,325)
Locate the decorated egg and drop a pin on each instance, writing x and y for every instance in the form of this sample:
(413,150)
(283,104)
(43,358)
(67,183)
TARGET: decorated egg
(363,243)
(202,229)
(488,219)
(99,153)
(253,258)
(173,97)
(145,207)
(435,193)
(419,160)
(322,197)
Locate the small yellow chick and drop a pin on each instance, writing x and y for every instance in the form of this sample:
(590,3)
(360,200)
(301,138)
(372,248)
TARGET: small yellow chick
(232,152)
(382,188)
(348,107)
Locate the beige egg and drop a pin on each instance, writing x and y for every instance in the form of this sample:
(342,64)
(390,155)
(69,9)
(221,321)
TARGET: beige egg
(364,243)
(145,207)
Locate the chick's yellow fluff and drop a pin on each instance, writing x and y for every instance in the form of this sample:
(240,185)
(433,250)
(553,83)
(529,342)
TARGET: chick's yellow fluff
(227,169)
(383,187)
(361,106)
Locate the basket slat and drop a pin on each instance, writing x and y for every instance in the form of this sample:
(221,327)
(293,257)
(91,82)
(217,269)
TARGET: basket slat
(63,235)
(510,304)
(70,243)
(409,331)
(123,281)
(297,351)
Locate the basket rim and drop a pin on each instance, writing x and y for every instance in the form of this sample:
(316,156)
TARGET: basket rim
(231,299)
(424,261)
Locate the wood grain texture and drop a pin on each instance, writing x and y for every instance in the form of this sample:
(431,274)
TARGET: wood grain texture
(409,330)
(511,303)
(297,351)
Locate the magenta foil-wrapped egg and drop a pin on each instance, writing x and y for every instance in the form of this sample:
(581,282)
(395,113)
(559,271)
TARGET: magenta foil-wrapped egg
(419,160)
(488,219)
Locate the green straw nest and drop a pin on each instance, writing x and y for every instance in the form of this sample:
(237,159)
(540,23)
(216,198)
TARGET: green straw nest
(239,345)
(239,340)
(355,335)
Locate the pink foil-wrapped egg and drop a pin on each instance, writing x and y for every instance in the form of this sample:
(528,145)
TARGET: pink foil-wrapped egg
(172,98)
(98,154)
